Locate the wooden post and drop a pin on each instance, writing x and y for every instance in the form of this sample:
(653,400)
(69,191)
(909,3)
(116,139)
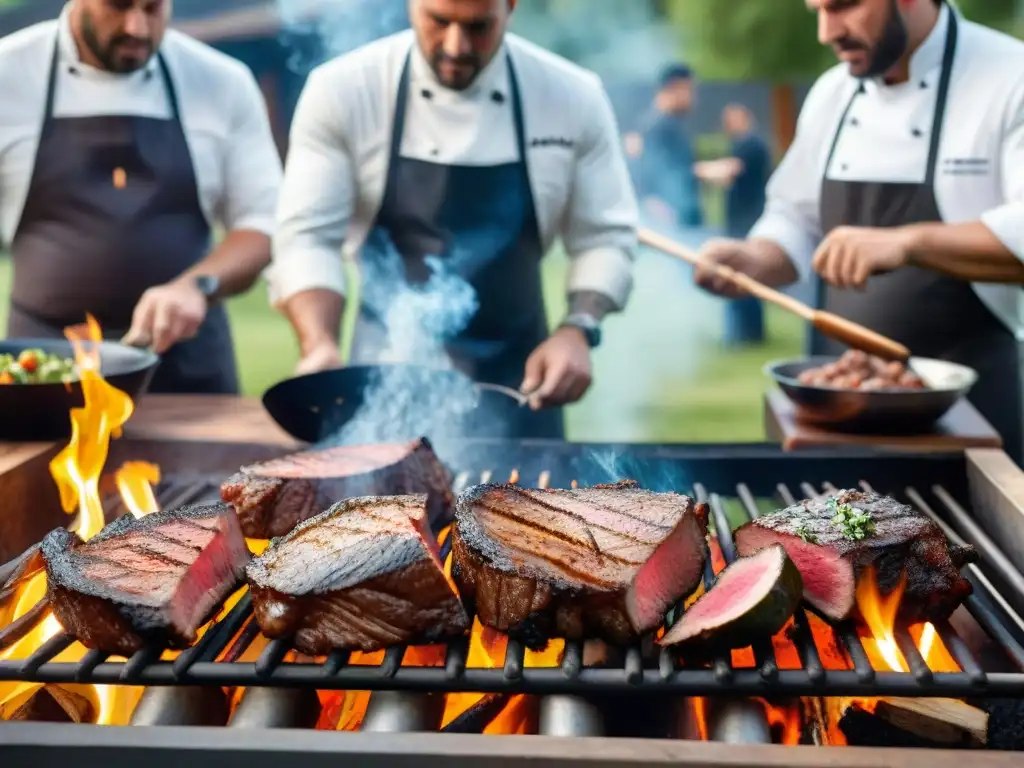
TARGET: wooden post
(784,114)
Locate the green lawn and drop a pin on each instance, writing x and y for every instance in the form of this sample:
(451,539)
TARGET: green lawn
(660,374)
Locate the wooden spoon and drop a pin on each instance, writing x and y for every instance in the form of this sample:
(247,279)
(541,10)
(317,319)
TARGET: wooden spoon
(831,325)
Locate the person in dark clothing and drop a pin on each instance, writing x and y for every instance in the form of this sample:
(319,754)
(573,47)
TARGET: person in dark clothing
(744,174)
(662,153)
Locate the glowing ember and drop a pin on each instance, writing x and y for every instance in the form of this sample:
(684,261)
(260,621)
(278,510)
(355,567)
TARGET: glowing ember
(135,480)
(514,477)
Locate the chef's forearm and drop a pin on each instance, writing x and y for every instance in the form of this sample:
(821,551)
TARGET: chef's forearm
(592,303)
(772,265)
(969,252)
(315,315)
(236,262)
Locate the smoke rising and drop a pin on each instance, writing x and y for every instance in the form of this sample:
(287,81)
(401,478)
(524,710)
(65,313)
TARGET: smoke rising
(415,392)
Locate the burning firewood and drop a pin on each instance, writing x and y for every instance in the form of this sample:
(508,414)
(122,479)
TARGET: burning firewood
(53,704)
(912,722)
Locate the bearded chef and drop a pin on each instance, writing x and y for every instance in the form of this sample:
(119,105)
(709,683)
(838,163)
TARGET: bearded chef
(903,191)
(457,138)
(121,143)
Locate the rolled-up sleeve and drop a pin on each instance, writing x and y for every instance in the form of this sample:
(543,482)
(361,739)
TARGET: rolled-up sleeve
(599,233)
(791,217)
(1007,220)
(317,197)
(253,165)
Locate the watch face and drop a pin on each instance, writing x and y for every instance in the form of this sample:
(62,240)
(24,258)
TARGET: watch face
(208,285)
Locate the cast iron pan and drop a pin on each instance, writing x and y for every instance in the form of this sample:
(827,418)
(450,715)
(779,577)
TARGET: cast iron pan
(42,411)
(316,406)
(882,412)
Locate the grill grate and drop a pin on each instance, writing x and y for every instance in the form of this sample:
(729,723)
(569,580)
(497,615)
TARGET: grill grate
(211,660)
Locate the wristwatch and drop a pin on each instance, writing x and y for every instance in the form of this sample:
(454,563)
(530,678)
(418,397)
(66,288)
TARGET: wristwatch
(209,286)
(587,324)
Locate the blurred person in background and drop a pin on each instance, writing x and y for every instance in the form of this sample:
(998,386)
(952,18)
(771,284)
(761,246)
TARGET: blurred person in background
(903,193)
(453,138)
(662,153)
(743,175)
(121,144)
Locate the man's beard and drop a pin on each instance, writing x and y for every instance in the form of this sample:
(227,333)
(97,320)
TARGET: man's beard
(463,82)
(107,55)
(889,49)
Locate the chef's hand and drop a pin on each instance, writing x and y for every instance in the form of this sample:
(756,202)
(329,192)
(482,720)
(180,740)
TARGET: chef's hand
(167,314)
(850,255)
(558,371)
(322,357)
(736,254)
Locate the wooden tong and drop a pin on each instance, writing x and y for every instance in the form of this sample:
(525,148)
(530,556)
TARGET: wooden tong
(831,325)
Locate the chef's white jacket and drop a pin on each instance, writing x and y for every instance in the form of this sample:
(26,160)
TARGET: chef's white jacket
(980,173)
(338,155)
(223,114)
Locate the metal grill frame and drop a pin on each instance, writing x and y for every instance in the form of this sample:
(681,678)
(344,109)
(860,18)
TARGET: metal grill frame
(765,470)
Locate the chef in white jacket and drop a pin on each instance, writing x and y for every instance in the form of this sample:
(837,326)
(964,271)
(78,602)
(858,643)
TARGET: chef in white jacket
(904,192)
(457,138)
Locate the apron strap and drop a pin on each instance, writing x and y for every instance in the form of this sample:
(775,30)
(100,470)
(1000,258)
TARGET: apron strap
(941,97)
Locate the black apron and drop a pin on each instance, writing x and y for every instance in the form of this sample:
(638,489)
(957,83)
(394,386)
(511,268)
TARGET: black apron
(480,221)
(933,314)
(85,245)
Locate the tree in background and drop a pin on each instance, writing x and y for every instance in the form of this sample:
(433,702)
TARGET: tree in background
(755,40)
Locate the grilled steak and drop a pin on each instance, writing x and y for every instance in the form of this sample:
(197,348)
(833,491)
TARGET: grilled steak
(154,579)
(896,539)
(272,497)
(604,562)
(364,575)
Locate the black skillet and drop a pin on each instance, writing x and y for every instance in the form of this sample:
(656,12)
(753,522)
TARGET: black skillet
(42,411)
(317,406)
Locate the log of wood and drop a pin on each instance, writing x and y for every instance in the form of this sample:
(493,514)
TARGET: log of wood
(53,704)
(908,722)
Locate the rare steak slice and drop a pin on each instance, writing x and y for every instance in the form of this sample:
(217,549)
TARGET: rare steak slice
(892,539)
(274,496)
(154,579)
(605,562)
(364,575)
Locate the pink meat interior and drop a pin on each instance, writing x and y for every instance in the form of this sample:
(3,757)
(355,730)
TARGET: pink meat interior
(730,597)
(333,462)
(829,583)
(667,576)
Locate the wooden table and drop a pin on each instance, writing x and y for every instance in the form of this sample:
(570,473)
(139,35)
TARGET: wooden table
(961,428)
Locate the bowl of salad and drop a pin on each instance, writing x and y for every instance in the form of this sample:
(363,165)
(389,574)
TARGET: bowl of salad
(40,384)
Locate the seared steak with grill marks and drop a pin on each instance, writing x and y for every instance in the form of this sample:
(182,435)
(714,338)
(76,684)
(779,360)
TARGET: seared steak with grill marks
(897,539)
(364,575)
(151,579)
(604,562)
(272,497)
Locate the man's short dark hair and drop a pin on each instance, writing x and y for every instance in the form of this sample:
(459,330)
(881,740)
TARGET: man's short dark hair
(674,72)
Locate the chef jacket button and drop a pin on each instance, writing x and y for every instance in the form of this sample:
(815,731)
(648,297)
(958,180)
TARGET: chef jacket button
(844,167)
(917,133)
(73,70)
(854,121)
(435,152)
(497,97)
(924,84)
(426,93)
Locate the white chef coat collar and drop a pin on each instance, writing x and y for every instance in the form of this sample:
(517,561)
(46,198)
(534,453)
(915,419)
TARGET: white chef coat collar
(926,61)
(70,57)
(493,79)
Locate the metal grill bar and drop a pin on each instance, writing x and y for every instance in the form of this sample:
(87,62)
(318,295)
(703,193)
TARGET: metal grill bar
(213,660)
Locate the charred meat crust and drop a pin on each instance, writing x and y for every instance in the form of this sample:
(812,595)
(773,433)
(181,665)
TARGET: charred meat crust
(364,575)
(903,540)
(533,604)
(270,505)
(101,615)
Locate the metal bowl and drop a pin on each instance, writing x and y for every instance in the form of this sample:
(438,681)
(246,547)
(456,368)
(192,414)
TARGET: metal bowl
(42,411)
(882,411)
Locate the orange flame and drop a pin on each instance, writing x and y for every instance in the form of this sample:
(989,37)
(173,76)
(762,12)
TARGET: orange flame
(135,480)
(77,470)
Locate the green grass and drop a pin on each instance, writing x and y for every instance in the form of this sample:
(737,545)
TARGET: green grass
(660,374)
